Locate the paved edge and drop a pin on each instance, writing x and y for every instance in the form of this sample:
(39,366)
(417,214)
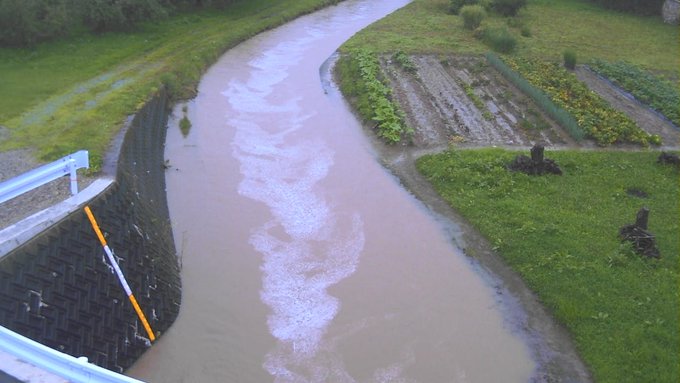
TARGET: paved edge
(23,231)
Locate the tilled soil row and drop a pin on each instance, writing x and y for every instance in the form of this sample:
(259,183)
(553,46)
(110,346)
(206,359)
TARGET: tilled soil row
(463,100)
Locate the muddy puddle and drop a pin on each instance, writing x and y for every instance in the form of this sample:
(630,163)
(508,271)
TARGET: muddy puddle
(303,259)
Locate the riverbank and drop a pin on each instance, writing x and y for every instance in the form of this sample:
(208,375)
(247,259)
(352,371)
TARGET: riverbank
(77,93)
(619,332)
(56,99)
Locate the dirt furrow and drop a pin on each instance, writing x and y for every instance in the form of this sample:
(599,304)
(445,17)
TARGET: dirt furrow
(646,118)
(463,100)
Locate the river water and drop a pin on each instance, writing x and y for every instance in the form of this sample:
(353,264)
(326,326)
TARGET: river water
(303,260)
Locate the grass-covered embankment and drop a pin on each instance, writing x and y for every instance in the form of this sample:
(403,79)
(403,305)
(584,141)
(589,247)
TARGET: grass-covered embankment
(76,93)
(425,26)
(561,234)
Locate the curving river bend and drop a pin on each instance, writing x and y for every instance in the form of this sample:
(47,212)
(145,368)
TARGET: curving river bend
(303,259)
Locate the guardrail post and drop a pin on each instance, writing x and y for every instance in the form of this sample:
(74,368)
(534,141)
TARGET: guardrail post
(74,176)
(37,177)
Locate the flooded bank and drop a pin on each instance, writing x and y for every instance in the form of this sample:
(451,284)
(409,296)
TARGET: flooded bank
(303,259)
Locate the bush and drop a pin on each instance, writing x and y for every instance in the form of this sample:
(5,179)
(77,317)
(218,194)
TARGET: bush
(499,39)
(472,16)
(456,5)
(569,59)
(525,31)
(26,22)
(508,7)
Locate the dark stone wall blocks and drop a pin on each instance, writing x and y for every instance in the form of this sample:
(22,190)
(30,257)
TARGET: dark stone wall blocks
(59,288)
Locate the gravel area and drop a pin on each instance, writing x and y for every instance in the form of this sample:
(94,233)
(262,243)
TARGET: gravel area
(16,162)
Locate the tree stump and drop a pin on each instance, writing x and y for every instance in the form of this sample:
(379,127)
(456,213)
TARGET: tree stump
(668,159)
(643,241)
(536,165)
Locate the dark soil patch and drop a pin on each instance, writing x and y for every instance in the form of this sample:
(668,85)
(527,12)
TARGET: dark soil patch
(635,192)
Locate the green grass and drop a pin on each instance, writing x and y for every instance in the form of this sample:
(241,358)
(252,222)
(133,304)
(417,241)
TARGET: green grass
(76,93)
(593,32)
(425,26)
(560,234)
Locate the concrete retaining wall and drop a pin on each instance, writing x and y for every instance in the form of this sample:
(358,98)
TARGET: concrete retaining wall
(671,11)
(58,288)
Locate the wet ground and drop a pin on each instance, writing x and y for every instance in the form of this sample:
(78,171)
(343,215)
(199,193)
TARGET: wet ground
(303,259)
(462,101)
(389,289)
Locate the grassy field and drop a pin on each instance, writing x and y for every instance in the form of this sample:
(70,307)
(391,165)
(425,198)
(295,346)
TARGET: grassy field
(561,234)
(76,93)
(621,310)
(425,26)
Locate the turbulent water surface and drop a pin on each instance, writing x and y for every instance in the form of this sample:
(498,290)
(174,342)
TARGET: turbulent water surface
(303,259)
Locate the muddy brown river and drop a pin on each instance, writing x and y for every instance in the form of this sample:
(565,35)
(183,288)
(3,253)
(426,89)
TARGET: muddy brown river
(303,259)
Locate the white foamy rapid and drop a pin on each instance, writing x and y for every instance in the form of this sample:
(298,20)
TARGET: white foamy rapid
(306,246)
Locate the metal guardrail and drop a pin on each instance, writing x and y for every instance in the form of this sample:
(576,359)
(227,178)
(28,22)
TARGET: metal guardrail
(44,174)
(76,370)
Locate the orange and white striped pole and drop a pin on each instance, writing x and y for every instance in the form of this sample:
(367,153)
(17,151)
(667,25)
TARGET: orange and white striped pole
(119,273)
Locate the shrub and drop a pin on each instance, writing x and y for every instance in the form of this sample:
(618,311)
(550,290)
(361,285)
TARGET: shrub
(26,22)
(508,7)
(525,31)
(472,16)
(499,39)
(569,59)
(456,5)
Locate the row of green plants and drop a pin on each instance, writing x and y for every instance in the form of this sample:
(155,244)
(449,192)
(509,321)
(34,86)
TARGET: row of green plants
(660,94)
(404,61)
(621,308)
(593,114)
(479,104)
(362,80)
(557,113)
